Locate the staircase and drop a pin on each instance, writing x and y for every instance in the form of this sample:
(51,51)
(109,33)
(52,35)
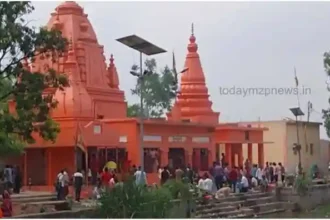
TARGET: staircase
(241,205)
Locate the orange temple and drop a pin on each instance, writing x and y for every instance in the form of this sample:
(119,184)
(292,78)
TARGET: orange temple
(94,126)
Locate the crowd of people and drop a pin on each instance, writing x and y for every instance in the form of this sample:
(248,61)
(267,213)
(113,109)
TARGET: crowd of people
(238,179)
(242,179)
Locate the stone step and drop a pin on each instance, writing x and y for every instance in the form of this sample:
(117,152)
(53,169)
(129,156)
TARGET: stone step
(29,195)
(239,196)
(226,214)
(243,202)
(257,205)
(262,208)
(34,199)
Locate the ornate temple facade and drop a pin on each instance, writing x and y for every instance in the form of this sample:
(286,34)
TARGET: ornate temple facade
(92,115)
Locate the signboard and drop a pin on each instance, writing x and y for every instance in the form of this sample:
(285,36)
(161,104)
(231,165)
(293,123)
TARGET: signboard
(153,138)
(123,139)
(201,139)
(97,129)
(177,139)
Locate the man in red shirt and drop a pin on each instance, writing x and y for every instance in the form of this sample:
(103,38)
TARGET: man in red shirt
(106,177)
(233,177)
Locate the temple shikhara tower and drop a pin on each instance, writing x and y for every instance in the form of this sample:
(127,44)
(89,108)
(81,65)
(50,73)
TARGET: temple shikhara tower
(94,126)
(193,102)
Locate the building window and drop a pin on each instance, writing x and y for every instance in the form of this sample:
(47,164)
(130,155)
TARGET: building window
(151,160)
(247,135)
(311,149)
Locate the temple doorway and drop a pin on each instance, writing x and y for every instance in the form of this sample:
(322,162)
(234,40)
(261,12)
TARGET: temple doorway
(176,158)
(103,155)
(151,160)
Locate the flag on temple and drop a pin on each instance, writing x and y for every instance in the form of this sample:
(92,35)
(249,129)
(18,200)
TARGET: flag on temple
(295,77)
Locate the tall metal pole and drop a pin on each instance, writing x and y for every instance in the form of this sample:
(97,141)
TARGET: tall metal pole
(298,148)
(141,78)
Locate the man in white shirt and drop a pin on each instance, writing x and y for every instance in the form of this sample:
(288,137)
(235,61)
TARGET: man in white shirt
(245,184)
(140,178)
(78,179)
(60,182)
(205,183)
(259,174)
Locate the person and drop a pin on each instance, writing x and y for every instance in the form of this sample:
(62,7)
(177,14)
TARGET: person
(259,174)
(264,184)
(266,171)
(112,182)
(254,183)
(105,177)
(226,173)
(277,172)
(233,177)
(97,190)
(60,185)
(254,170)
(223,159)
(78,179)
(218,176)
(133,169)
(6,206)
(165,175)
(205,183)
(140,177)
(190,174)
(160,170)
(282,170)
(271,173)
(17,180)
(8,173)
(66,179)
(244,184)
(178,174)
(94,168)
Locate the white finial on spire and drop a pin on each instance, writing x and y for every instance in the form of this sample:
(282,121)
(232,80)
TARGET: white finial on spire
(192,29)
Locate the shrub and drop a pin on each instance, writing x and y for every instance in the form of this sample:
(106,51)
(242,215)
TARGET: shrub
(129,200)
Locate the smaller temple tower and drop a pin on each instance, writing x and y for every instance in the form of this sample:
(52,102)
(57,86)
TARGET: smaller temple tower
(193,102)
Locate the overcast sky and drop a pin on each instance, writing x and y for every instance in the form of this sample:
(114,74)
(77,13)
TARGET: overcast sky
(240,44)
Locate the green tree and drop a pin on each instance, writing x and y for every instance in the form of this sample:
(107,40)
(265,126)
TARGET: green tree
(160,89)
(21,44)
(326,112)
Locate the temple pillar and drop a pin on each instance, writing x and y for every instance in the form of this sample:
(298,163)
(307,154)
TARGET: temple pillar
(228,155)
(197,158)
(49,167)
(25,181)
(164,152)
(250,152)
(240,154)
(189,157)
(261,155)
(164,157)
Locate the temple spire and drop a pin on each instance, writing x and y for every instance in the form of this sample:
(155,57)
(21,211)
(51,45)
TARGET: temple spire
(193,100)
(112,74)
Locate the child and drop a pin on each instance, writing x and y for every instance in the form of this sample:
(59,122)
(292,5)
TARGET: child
(6,206)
